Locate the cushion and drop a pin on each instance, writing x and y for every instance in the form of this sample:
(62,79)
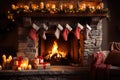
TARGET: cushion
(113,58)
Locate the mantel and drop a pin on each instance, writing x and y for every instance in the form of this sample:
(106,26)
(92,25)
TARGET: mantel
(37,14)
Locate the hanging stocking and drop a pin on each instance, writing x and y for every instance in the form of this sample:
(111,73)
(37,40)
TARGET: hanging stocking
(32,34)
(79,27)
(58,30)
(35,27)
(66,32)
(42,31)
(87,31)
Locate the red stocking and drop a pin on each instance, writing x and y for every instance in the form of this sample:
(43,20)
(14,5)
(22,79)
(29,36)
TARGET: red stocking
(35,27)
(32,34)
(66,32)
(79,27)
(87,31)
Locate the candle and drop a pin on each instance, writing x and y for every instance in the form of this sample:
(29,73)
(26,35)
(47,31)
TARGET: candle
(4,60)
(4,57)
(23,66)
(61,7)
(70,6)
(53,6)
(10,58)
(0,67)
(19,69)
(29,66)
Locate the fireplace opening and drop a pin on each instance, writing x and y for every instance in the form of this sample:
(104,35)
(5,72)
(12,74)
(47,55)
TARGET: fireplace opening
(58,51)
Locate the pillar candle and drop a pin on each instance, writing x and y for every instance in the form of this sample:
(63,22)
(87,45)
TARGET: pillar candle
(29,66)
(0,67)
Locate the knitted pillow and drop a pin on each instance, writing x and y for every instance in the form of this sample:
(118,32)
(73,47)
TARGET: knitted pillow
(113,58)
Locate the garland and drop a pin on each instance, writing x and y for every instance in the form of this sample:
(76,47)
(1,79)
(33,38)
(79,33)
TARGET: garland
(53,10)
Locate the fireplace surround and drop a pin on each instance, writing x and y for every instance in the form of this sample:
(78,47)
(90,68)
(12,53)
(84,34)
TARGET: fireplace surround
(78,51)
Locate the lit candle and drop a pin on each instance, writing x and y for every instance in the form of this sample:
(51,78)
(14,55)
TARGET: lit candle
(29,66)
(70,6)
(23,66)
(10,58)
(19,69)
(53,6)
(0,67)
(4,57)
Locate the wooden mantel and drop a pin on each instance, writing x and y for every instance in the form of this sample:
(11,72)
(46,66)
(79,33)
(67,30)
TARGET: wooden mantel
(37,14)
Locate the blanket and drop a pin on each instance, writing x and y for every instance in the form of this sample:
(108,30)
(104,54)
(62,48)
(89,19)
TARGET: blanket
(99,70)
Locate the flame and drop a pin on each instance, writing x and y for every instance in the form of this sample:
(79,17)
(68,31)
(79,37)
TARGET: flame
(55,51)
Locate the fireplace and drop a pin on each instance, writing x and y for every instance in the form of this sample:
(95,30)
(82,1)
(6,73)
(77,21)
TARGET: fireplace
(58,51)
(76,51)
(70,51)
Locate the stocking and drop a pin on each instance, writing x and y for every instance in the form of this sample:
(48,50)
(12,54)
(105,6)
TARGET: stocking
(42,31)
(58,30)
(42,34)
(87,31)
(32,34)
(66,32)
(35,27)
(79,27)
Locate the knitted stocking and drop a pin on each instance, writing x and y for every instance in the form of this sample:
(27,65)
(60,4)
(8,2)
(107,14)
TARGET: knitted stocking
(32,34)
(88,29)
(35,27)
(42,31)
(79,27)
(66,32)
(57,32)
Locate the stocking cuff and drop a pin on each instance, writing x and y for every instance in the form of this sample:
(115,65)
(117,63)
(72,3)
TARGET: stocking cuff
(45,26)
(79,25)
(60,27)
(88,27)
(68,27)
(35,27)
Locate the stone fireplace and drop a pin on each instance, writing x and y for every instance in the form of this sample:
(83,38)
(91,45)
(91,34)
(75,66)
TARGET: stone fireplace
(41,41)
(76,51)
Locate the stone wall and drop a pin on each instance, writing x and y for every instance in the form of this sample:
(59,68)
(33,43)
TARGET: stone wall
(26,46)
(93,44)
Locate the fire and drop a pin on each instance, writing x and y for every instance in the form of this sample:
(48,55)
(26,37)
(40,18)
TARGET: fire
(56,51)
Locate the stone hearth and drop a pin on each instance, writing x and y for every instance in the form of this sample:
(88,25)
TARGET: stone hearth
(54,73)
